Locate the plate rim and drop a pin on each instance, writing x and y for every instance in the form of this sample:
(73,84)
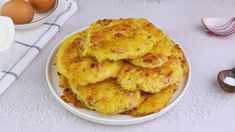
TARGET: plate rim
(135,120)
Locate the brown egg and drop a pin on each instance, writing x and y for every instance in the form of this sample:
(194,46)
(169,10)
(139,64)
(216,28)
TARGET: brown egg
(42,6)
(19,11)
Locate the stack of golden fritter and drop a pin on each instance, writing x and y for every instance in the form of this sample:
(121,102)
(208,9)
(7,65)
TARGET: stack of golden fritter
(123,66)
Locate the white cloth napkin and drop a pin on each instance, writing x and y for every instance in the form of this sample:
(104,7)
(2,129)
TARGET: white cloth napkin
(29,43)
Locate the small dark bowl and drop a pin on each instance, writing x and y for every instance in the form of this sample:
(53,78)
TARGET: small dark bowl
(222,75)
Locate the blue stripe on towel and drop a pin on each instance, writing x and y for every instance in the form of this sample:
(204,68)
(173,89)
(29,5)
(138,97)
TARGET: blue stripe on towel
(28,45)
(10,73)
(53,24)
(69,7)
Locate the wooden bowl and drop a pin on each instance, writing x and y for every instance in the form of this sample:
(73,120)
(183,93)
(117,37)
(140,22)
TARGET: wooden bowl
(222,75)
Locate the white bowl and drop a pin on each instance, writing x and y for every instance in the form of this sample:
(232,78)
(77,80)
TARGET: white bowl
(117,119)
(7,33)
(38,19)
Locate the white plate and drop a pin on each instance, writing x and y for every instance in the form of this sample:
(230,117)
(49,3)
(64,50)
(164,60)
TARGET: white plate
(52,80)
(38,19)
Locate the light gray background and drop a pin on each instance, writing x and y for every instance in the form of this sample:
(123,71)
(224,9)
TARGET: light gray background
(28,104)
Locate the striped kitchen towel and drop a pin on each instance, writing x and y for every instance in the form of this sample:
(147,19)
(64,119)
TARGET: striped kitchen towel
(29,43)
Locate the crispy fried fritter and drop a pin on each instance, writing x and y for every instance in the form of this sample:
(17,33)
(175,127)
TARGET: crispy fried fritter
(106,97)
(63,81)
(150,80)
(163,45)
(158,55)
(119,39)
(104,90)
(154,102)
(82,70)
(177,51)
(120,66)
(69,97)
(150,60)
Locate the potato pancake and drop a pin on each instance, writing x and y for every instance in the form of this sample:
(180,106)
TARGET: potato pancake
(82,70)
(63,81)
(150,60)
(69,97)
(178,52)
(108,98)
(163,45)
(66,84)
(120,66)
(154,102)
(158,55)
(133,78)
(119,39)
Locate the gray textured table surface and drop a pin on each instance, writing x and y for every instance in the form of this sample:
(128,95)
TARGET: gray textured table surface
(28,104)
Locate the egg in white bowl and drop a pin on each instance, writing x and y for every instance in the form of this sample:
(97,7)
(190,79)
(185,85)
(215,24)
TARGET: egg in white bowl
(34,17)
